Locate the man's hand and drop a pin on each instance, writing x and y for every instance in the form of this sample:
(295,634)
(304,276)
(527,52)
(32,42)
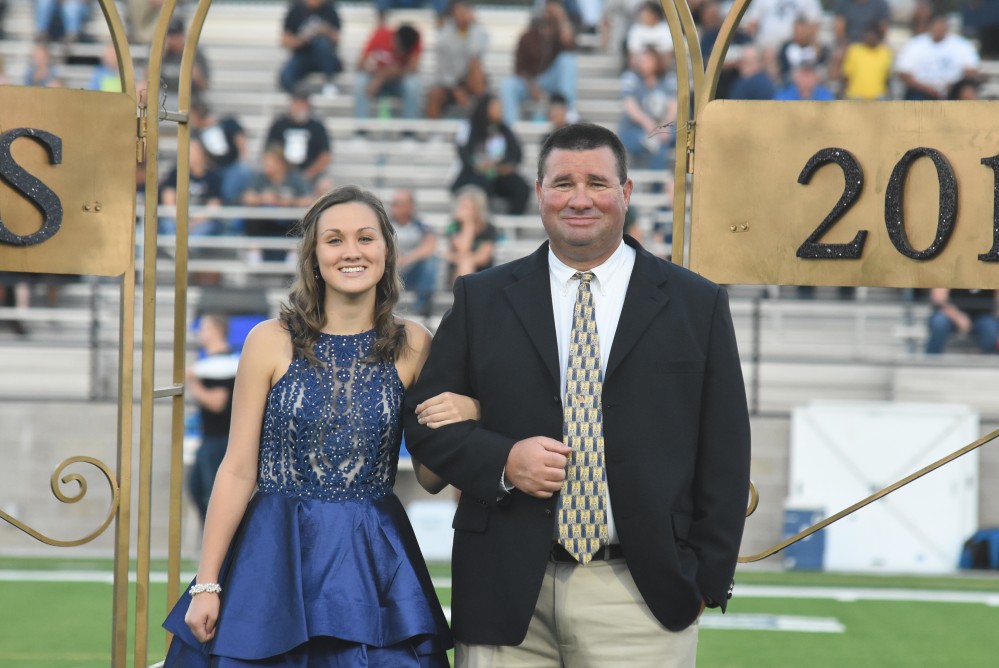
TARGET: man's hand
(536,466)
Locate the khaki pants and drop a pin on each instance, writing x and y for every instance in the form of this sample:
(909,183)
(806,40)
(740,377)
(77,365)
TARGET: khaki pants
(589,617)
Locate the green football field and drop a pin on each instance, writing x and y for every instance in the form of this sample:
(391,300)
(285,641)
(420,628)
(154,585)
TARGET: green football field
(51,615)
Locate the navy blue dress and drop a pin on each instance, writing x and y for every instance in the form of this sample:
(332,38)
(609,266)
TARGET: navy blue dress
(325,570)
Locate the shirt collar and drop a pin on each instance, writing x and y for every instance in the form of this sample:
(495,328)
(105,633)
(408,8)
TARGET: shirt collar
(563,273)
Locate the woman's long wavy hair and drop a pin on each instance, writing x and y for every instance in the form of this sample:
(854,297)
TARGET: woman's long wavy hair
(303,314)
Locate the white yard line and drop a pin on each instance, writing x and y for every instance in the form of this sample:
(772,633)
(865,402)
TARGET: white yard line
(843,594)
(758,622)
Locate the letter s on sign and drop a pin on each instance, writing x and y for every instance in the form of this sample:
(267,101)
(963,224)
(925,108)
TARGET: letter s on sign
(40,194)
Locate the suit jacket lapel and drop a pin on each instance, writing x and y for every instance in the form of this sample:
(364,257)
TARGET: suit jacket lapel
(531,298)
(644,299)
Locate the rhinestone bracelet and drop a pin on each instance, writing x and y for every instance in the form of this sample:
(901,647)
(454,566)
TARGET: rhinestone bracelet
(209,587)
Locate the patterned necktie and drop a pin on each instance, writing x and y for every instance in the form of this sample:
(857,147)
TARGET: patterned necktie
(582,528)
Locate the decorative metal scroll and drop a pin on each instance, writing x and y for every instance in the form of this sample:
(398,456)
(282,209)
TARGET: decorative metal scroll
(73,498)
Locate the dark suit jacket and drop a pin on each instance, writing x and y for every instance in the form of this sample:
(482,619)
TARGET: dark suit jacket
(676,431)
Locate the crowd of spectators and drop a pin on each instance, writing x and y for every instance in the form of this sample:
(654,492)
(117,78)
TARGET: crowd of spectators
(790,50)
(784,50)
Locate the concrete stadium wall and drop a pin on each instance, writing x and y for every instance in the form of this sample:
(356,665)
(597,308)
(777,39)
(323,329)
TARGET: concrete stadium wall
(37,436)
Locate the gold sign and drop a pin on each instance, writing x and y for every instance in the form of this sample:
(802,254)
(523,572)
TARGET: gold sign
(67,181)
(896,194)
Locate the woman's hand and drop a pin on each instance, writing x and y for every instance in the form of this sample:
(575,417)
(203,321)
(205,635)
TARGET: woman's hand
(447,408)
(202,616)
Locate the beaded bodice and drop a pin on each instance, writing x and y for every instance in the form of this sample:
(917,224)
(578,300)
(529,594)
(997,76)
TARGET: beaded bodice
(333,433)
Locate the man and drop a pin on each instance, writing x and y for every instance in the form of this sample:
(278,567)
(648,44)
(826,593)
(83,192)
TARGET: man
(855,17)
(804,46)
(461,46)
(753,82)
(931,62)
(210,381)
(666,432)
(964,311)
(417,245)
(225,140)
(311,33)
(806,84)
(771,22)
(173,53)
(304,139)
(277,184)
(389,66)
(545,61)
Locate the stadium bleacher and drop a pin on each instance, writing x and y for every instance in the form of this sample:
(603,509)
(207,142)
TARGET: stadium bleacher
(241,40)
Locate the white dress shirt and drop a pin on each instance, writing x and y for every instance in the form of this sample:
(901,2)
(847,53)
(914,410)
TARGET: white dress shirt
(608,287)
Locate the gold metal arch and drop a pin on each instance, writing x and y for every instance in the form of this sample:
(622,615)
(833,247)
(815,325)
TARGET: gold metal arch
(694,94)
(148,114)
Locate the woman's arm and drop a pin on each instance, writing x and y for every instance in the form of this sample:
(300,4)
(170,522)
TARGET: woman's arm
(266,348)
(437,411)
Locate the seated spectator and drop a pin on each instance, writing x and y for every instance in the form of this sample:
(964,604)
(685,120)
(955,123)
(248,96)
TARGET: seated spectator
(460,77)
(649,30)
(618,17)
(225,141)
(558,115)
(312,34)
(930,63)
(204,190)
(173,52)
(389,67)
(545,61)
(61,20)
(806,84)
(965,89)
(490,154)
(855,17)
(304,139)
(771,22)
(804,46)
(753,82)
(106,76)
(964,311)
(41,70)
(471,237)
(866,68)
(711,23)
(277,184)
(648,100)
(417,246)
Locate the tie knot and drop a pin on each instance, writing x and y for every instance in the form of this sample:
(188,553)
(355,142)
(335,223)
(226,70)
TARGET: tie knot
(584,277)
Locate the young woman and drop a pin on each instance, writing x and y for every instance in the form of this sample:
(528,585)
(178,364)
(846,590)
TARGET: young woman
(471,237)
(320,566)
(490,156)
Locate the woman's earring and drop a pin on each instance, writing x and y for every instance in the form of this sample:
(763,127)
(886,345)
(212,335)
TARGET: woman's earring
(315,272)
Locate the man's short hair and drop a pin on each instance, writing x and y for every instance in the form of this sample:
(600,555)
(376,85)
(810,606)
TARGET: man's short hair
(584,137)
(407,37)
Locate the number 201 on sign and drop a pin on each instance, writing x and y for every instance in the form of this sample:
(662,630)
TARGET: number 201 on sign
(813,248)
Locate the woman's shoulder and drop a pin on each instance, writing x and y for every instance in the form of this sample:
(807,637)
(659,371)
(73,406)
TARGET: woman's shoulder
(418,337)
(267,337)
(415,351)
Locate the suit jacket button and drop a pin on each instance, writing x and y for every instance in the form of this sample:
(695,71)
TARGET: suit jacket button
(548,511)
